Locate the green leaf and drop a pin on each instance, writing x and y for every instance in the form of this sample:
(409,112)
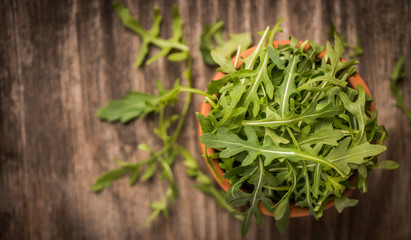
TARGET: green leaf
(235,96)
(272,53)
(105,180)
(251,95)
(281,209)
(177,57)
(317,180)
(252,58)
(357,109)
(212,40)
(397,77)
(343,202)
(232,144)
(236,197)
(334,55)
(342,156)
(287,87)
(134,176)
(398,71)
(229,47)
(333,184)
(327,135)
(226,66)
(357,49)
(388,164)
(151,36)
(211,33)
(205,123)
(149,171)
(282,223)
(216,85)
(309,115)
(137,105)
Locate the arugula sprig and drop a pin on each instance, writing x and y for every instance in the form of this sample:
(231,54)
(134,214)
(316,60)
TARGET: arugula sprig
(150,36)
(138,105)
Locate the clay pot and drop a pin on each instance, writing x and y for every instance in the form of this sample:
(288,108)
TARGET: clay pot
(205,108)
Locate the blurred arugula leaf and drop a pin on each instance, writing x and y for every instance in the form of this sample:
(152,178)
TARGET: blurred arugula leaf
(357,48)
(212,40)
(151,36)
(344,202)
(397,76)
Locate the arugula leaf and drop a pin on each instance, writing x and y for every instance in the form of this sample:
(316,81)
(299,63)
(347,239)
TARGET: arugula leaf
(272,53)
(287,87)
(250,60)
(235,96)
(229,47)
(251,95)
(309,115)
(225,63)
(388,164)
(212,39)
(232,145)
(397,76)
(236,197)
(136,105)
(357,48)
(357,109)
(326,135)
(342,155)
(216,85)
(151,36)
(211,33)
(343,202)
(105,180)
(333,184)
(282,209)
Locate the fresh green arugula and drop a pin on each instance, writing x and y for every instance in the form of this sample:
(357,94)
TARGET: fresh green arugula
(397,76)
(288,129)
(285,125)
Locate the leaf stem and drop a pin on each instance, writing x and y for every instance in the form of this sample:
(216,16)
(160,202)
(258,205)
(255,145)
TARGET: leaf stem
(197,91)
(186,106)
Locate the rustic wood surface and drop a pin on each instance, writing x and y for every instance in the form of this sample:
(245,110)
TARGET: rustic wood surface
(60,61)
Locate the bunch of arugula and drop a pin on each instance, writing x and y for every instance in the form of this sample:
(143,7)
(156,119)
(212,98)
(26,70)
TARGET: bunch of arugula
(288,129)
(286,126)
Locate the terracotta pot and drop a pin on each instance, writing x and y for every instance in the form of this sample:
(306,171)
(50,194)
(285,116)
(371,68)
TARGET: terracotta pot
(205,108)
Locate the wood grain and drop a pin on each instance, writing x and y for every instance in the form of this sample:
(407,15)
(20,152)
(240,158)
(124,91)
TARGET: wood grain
(62,60)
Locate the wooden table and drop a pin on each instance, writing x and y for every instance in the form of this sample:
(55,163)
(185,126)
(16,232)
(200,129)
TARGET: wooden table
(62,60)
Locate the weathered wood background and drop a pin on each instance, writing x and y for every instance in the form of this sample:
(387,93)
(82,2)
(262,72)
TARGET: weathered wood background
(62,60)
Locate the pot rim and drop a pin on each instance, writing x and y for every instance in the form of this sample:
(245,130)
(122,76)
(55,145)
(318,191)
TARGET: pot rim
(205,108)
